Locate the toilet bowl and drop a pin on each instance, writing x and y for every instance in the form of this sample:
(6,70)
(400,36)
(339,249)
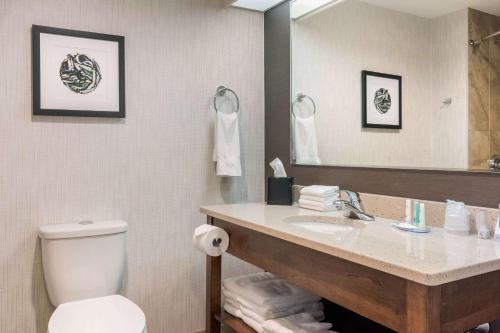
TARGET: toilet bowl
(109,314)
(83,266)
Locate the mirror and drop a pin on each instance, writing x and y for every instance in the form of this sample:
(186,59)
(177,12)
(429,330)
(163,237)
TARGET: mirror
(399,84)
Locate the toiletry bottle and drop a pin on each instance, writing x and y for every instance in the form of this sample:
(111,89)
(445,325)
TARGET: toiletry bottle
(408,211)
(497,227)
(416,220)
(423,222)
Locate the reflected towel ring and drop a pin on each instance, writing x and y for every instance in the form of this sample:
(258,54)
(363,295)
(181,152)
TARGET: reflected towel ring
(221,91)
(299,99)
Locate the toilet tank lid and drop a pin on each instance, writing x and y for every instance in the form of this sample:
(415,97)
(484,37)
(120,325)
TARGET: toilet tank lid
(81,229)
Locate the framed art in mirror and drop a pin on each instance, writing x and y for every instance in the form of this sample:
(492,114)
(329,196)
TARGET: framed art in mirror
(381,100)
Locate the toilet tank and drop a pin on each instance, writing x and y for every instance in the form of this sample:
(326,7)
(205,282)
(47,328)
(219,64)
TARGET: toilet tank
(83,260)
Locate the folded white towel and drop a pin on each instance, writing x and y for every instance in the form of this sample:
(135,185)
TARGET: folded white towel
(265,289)
(298,323)
(293,309)
(316,203)
(232,310)
(249,321)
(319,190)
(305,141)
(326,199)
(227,145)
(266,312)
(273,310)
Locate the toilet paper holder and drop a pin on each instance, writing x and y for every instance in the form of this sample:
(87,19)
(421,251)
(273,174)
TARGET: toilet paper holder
(216,242)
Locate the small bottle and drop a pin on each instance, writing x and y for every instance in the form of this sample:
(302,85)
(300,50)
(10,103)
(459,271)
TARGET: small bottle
(423,222)
(416,219)
(408,211)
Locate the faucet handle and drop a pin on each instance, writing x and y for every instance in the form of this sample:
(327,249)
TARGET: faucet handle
(352,195)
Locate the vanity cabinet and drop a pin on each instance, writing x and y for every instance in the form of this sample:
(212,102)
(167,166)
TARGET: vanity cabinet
(396,302)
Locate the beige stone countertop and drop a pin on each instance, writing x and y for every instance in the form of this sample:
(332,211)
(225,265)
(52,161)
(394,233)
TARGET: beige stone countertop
(430,259)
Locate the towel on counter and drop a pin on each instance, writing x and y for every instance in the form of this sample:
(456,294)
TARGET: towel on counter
(304,202)
(298,323)
(305,141)
(319,191)
(265,289)
(227,145)
(322,200)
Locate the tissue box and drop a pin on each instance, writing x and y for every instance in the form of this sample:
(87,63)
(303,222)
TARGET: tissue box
(279,191)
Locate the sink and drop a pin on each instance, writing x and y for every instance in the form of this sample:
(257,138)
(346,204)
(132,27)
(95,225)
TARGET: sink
(325,224)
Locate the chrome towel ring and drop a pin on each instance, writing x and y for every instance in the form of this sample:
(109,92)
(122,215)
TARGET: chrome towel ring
(221,91)
(299,99)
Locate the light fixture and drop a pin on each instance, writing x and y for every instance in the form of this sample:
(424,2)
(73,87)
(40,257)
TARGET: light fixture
(301,8)
(258,5)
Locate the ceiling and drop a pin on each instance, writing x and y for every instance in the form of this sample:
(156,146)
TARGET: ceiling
(435,8)
(423,8)
(258,5)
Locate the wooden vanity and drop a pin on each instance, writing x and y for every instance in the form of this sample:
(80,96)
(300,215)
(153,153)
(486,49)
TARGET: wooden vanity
(412,283)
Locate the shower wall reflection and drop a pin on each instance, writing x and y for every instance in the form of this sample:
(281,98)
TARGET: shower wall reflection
(484,90)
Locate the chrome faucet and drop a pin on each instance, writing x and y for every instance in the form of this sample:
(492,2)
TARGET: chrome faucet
(352,208)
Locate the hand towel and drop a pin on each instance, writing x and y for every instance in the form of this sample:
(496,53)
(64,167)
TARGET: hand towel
(316,203)
(259,312)
(316,307)
(249,321)
(227,145)
(305,141)
(298,323)
(319,190)
(267,290)
(326,199)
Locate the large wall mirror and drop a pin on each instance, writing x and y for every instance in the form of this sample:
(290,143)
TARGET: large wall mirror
(398,84)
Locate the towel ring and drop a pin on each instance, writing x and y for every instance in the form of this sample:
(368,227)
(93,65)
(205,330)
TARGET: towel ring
(221,91)
(299,99)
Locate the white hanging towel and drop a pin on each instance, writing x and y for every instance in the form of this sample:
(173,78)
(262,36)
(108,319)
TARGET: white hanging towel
(305,141)
(227,145)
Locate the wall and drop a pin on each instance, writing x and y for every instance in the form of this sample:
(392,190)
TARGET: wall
(152,169)
(333,46)
(475,188)
(449,80)
(484,90)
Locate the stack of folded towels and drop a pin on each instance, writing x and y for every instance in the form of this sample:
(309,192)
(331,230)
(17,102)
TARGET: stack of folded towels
(319,197)
(269,304)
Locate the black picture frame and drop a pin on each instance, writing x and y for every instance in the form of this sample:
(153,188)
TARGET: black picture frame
(36,30)
(365,124)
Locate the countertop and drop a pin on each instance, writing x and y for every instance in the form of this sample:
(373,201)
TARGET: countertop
(431,259)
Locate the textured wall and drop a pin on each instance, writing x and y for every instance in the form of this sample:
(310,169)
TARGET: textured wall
(332,47)
(152,169)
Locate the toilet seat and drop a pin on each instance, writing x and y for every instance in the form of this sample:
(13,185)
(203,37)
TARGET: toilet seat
(109,314)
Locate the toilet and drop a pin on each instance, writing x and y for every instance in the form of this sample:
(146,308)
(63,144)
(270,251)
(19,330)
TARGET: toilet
(83,266)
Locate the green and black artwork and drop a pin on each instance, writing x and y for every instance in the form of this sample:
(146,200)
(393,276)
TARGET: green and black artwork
(382,100)
(80,73)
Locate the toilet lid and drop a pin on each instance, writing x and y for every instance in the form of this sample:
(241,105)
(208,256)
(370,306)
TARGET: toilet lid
(108,314)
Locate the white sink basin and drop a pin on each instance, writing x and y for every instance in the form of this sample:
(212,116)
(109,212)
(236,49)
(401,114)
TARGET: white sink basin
(336,225)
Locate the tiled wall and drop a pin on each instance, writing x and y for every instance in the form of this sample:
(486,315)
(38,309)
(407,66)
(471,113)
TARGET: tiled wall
(152,169)
(484,91)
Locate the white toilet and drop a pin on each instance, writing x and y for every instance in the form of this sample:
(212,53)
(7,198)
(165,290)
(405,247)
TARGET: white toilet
(83,265)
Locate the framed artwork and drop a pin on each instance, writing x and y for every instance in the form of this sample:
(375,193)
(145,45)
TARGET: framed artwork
(381,100)
(78,73)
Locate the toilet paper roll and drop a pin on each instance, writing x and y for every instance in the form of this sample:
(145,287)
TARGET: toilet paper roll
(211,240)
